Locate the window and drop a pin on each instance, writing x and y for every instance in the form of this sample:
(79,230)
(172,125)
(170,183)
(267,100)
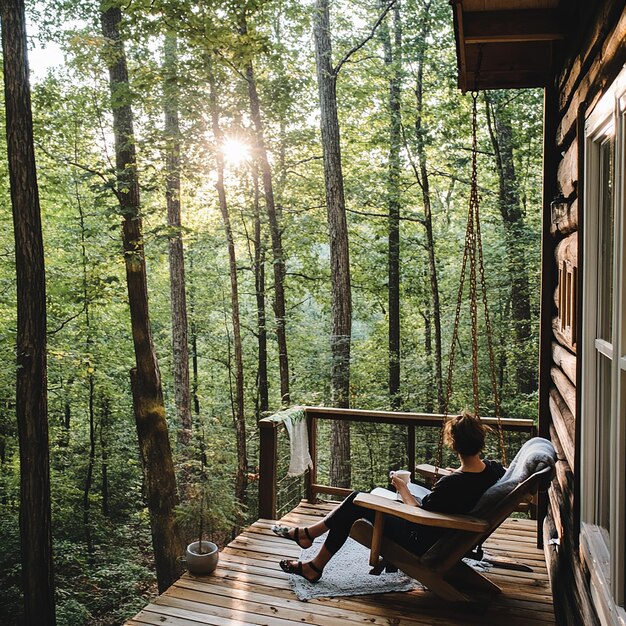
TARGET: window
(568,279)
(603,388)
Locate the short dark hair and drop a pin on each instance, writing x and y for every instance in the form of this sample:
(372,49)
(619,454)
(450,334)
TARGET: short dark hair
(465,434)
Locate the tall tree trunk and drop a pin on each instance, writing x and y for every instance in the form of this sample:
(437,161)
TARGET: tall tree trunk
(259,288)
(238,408)
(180,347)
(64,438)
(278,263)
(393,64)
(67,415)
(104,454)
(31,402)
(89,477)
(338,233)
(512,212)
(90,377)
(428,353)
(423,178)
(194,342)
(154,444)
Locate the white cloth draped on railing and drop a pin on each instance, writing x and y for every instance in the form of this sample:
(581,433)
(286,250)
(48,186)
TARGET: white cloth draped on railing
(294,420)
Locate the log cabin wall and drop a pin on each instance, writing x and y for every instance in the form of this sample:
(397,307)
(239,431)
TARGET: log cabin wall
(593,55)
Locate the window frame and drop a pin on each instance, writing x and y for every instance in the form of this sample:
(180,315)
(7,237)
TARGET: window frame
(606,559)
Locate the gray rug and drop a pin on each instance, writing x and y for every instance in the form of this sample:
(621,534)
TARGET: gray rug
(347,574)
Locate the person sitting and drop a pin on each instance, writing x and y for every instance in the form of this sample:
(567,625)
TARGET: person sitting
(455,493)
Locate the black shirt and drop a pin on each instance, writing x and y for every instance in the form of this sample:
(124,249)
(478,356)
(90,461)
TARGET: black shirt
(460,491)
(457,493)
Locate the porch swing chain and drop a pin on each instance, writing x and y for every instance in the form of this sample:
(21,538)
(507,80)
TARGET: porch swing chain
(473,252)
(483,283)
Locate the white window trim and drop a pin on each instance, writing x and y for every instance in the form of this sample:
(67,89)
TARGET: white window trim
(606,562)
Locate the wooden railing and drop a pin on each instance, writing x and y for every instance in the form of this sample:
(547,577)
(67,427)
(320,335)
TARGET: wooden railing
(268,461)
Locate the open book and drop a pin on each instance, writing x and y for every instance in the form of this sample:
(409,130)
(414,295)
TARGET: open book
(417,491)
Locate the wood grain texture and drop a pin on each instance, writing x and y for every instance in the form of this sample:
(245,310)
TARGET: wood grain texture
(249,588)
(590,73)
(566,389)
(417,515)
(562,336)
(567,172)
(564,425)
(567,250)
(565,360)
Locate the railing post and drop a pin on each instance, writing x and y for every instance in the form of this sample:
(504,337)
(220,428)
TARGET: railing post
(267,469)
(311,475)
(410,450)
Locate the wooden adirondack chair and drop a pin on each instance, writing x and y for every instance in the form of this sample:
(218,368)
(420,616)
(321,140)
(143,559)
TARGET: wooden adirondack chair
(441,568)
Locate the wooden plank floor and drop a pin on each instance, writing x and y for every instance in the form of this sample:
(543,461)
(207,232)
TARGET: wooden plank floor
(249,588)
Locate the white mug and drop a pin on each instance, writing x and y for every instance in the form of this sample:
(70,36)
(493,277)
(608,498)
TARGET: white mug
(404,475)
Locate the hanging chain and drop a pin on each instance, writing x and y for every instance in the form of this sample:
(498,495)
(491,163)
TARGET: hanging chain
(455,334)
(473,230)
(489,329)
(473,253)
(469,255)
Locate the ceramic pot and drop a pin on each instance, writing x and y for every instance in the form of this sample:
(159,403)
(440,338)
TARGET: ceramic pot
(201,564)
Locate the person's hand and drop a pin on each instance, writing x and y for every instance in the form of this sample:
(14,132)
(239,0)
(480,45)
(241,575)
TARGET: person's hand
(398,483)
(403,491)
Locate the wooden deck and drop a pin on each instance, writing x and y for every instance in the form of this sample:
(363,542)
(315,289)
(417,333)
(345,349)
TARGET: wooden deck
(248,588)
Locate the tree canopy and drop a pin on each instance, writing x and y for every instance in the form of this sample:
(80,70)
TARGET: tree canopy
(405,164)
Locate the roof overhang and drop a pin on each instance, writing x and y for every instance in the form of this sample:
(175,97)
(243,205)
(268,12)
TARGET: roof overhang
(506,43)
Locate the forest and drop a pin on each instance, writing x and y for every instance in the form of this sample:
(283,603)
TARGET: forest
(230,207)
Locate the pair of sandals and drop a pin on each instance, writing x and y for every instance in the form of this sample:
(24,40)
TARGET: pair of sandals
(296,567)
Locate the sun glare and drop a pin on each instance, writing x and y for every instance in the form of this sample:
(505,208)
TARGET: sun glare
(235,151)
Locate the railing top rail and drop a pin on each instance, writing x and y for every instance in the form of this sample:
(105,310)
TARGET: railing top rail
(389,417)
(403,417)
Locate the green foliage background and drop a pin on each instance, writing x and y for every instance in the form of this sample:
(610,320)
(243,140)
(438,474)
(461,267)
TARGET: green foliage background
(85,268)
